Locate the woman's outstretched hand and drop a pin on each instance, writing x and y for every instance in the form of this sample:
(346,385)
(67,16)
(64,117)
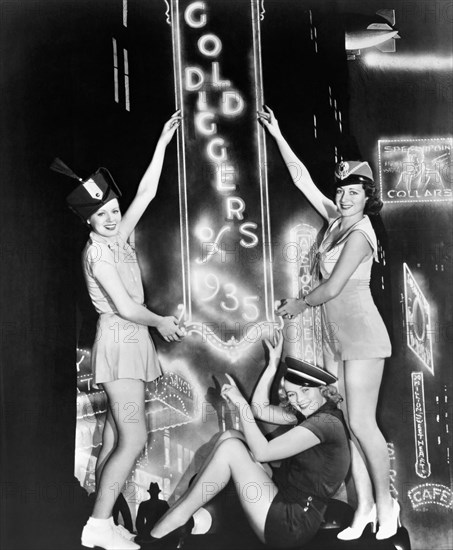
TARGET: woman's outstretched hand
(275,349)
(230,392)
(267,118)
(170,330)
(290,307)
(170,127)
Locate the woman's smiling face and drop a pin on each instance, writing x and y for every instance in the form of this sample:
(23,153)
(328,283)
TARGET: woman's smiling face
(106,220)
(350,199)
(304,399)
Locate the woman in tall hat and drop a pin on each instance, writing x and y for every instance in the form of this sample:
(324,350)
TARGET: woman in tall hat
(123,356)
(355,340)
(314,454)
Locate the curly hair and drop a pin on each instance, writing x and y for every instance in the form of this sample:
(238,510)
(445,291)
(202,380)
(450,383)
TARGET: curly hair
(330,393)
(374,204)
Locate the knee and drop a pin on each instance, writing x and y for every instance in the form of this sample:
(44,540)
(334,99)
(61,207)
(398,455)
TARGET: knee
(231,434)
(231,444)
(135,442)
(361,426)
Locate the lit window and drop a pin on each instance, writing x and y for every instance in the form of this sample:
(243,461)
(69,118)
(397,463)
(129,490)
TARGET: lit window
(180,457)
(125,13)
(166,448)
(124,64)
(126,81)
(313,32)
(115,70)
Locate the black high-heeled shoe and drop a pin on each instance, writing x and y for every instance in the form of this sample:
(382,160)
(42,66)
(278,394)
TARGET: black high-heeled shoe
(163,542)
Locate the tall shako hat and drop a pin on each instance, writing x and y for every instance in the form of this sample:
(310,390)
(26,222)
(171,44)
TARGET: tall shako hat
(348,172)
(92,193)
(303,374)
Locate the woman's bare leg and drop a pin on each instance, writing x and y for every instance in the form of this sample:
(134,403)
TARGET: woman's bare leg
(360,476)
(127,403)
(230,459)
(362,484)
(109,442)
(362,383)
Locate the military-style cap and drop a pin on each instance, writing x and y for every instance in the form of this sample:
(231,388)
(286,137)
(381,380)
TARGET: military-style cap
(302,373)
(348,172)
(92,193)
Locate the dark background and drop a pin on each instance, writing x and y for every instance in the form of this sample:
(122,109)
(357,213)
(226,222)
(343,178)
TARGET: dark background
(57,99)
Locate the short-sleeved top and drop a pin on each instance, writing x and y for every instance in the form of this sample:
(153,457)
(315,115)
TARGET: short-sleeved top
(121,255)
(329,256)
(320,470)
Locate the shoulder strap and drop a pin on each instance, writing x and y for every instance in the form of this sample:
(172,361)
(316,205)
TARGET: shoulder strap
(337,241)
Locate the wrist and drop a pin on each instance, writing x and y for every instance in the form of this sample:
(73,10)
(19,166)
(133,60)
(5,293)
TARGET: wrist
(304,299)
(162,142)
(159,320)
(273,363)
(238,403)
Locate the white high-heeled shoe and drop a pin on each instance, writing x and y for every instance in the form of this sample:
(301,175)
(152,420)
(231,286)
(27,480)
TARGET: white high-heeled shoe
(352,533)
(392,528)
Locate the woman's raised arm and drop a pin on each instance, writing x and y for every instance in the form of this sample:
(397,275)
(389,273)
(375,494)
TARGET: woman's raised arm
(260,405)
(299,173)
(295,441)
(147,188)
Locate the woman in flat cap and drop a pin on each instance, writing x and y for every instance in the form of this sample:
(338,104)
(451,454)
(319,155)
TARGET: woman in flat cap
(123,355)
(285,505)
(355,339)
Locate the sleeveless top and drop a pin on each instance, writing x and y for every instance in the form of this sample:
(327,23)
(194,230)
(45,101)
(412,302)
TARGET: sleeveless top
(328,255)
(121,255)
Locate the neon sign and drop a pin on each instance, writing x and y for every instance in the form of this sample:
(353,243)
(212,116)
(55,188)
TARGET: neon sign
(306,343)
(422,464)
(418,321)
(225,230)
(415,170)
(393,472)
(431,493)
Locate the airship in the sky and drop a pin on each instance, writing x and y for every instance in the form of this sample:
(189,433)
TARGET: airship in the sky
(367,31)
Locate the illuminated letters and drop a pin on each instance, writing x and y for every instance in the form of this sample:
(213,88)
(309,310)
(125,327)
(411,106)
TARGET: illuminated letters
(217,82)
(431,493)
(194,78)
(233,212)
(215,155)
(190,12)
(220,175)
(415,170)
(200,123)
(244,230)
(232,103)
(224,175)
(300,252)
(210,45)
